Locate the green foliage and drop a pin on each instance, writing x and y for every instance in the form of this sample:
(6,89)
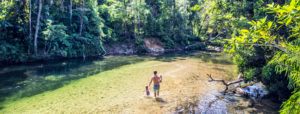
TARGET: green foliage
(250,73)
(132,21)
(275,81)
(79,29)
(56,40)
(12,31)
(63,32)
(4,8)
(218,19)
(291,106)
(280,37)
(11,52)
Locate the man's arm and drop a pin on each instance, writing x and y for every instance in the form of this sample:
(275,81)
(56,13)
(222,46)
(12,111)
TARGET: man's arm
(150,82)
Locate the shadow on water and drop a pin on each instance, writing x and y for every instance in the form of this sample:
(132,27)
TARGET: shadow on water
(213,57)
(170,57)
(27,80)
(220,69)
(161,100)
(216,58)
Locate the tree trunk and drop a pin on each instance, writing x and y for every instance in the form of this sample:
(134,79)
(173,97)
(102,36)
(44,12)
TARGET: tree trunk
(225,83)
(81,18)
(139,20)
(30,27)
(135,23)
(173,20)
(71,11)
(62,5)
(125,23)
(37,27)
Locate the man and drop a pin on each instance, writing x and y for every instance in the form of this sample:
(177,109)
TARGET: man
(156,83)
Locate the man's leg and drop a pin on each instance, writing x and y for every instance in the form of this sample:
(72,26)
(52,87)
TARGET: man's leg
(158,88)
(155,90)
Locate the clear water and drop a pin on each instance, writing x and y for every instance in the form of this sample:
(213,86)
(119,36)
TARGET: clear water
(20,81)
(26,80)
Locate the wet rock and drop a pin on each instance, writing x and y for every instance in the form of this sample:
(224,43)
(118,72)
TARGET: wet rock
(154,46)
(120,49)
(214,48)
(255,91)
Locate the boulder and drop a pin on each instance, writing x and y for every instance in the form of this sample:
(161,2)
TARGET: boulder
(153,46)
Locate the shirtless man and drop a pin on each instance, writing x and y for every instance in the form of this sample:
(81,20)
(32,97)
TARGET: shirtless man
(156,83)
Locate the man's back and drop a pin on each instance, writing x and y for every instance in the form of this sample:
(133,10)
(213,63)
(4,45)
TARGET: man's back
(156,80)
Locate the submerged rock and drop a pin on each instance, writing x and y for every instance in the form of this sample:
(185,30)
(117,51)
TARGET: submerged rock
(245,100)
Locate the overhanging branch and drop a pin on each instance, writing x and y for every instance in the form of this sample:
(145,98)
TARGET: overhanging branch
(224,82)
(268,45)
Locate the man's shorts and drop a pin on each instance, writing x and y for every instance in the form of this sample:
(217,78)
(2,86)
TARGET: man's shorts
(156,88)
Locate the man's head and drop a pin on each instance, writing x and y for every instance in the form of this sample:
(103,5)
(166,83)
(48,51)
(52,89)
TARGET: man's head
(155,72)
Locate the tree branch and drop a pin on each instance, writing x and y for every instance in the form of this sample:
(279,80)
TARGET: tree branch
(268,45)
(224,82)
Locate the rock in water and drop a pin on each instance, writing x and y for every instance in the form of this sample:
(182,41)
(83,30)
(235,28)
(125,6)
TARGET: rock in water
(255,91)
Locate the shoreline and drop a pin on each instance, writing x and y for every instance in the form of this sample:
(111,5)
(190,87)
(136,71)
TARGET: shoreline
(44,59)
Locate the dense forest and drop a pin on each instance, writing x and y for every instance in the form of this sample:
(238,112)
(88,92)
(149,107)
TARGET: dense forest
(263,36)
(33,29)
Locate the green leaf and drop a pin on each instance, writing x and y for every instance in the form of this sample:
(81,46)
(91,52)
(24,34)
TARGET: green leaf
(293,3)
(289,20)
(244,31)
(270,24)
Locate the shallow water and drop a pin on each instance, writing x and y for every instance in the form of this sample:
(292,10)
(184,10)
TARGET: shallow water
(216,102)
(27,80)
(18,81)
(210,104)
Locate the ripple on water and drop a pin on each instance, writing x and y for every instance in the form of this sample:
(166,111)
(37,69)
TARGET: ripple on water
(212,103)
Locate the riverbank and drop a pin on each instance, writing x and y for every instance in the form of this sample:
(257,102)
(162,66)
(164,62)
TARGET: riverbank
(154,49)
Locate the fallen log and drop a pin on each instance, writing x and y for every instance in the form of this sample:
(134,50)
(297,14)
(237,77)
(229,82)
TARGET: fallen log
(224,82)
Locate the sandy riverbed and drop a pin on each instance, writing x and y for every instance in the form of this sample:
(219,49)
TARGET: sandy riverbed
(121,90)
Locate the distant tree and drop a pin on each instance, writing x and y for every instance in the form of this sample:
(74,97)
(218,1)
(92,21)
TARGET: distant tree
(37,27)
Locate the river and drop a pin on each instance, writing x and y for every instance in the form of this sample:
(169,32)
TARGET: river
(18,81)
(107,85)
